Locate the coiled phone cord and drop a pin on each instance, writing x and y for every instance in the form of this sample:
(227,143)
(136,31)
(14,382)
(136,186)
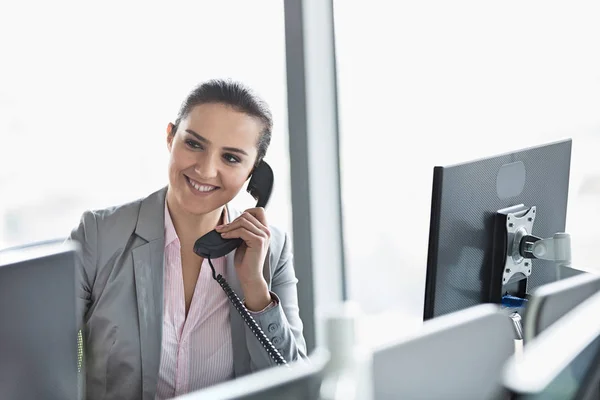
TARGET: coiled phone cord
(239,306)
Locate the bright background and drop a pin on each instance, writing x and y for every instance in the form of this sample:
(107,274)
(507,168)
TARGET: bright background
(86,92)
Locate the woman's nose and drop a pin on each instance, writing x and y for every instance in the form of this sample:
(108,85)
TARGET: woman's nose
(206,167)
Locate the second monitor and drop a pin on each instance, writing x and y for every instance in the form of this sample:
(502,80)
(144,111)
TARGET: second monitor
(548,303)
(468,239)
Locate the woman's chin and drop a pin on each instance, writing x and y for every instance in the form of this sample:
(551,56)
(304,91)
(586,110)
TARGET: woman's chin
(199,207)
(195,204)
(197,210)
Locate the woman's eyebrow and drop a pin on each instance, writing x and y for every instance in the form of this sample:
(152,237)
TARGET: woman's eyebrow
(205,140)
(200,138)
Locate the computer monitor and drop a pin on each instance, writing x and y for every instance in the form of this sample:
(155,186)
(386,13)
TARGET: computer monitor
(470,238)
(563,361)
(299,381)
(38,331)
(548,303)
(456,356)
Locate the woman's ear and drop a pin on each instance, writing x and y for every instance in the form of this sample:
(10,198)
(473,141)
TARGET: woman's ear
(171,129)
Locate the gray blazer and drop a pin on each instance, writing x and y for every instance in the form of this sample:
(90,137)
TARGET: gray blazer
(120,301)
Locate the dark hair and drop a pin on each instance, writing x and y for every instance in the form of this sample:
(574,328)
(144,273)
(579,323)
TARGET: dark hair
(239,97)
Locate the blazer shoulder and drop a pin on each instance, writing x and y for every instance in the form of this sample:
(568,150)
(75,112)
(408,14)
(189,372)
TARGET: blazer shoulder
(117,219)
(115,225)
(279,244)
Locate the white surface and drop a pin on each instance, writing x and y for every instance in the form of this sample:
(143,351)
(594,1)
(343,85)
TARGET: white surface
(435,82)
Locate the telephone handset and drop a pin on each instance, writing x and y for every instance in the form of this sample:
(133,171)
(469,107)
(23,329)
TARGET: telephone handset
(212,245)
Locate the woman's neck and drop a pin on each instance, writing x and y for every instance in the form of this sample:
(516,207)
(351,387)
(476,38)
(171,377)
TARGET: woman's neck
(190,227)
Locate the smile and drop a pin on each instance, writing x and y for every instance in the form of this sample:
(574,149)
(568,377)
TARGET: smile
(200,187)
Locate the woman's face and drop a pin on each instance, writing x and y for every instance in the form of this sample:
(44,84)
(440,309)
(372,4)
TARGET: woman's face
(212,155)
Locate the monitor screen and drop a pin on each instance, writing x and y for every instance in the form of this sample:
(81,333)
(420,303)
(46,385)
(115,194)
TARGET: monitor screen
(299,381)
(38,329)
(548,303)
(464,243)
(455,356)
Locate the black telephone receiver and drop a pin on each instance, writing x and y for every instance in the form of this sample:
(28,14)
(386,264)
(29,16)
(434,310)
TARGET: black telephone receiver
(212,245)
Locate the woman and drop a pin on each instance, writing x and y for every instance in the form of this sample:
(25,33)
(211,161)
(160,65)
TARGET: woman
(155,323)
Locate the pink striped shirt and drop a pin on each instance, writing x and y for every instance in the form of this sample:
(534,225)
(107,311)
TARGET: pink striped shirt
(196,352)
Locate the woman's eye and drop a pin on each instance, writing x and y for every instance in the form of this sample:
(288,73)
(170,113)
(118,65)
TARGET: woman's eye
(230,158)
(193,144)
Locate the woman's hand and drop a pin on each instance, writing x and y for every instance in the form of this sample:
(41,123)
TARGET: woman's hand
(251,227)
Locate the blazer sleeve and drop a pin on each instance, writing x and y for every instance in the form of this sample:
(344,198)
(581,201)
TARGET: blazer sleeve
(280,323)
(86,235)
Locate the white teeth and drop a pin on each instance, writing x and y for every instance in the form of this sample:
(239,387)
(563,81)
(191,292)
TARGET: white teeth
(201,188)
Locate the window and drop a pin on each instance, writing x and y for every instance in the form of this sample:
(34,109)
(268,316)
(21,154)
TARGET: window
(432,83)
(87,91)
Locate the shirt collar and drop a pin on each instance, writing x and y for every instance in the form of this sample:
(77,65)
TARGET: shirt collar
(171,234)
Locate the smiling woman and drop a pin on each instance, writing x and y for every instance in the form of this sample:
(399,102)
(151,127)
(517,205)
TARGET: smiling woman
(221,132)
(155,324)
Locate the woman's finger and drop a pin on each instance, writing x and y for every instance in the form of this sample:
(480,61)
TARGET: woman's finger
(247,221)
(259,214)
(252,239)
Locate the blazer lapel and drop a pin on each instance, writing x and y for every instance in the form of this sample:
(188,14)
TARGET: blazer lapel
(148,261)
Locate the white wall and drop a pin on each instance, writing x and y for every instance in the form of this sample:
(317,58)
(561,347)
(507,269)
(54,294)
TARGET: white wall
(426,83)
(87,90)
